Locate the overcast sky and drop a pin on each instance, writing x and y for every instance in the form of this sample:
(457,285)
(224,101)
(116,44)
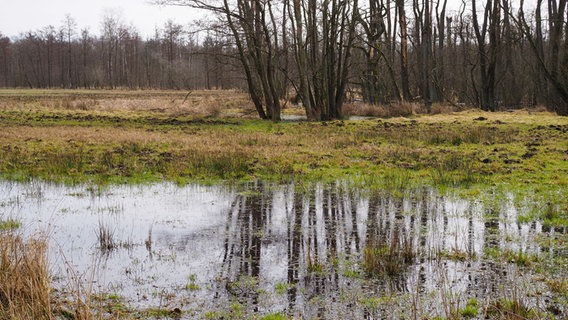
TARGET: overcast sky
(17,16)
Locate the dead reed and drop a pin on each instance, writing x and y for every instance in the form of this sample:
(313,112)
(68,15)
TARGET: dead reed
(203,103)
(24,281)
(106,238)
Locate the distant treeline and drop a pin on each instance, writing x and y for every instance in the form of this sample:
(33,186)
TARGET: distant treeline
(494,54)
(65,57)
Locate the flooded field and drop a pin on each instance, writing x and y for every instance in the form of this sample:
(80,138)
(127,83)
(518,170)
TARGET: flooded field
(324,251)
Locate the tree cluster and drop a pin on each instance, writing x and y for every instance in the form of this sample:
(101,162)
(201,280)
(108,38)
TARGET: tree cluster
(493,54)
(66,57)
(490,53)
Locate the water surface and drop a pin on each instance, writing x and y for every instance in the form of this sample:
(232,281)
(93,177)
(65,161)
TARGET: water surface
(265,248)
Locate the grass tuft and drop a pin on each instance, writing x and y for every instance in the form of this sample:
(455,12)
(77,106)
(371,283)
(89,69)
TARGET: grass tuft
(10,224)
(511,309)
(390,258)
(470,310)
(106,238)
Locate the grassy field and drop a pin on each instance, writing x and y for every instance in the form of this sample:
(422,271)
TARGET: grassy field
(105,137)
(133,137)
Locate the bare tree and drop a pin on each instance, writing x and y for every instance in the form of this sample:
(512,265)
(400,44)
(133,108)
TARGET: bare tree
(423,43)
(86,49)
(172,36)
(68,31)
(323,33)
(323,60)
(376,22)
(5,44)
(440,63)
(508,70)
(252,26)
(111,25)
(403,50)
(553,65)
(427,85)
(488,53)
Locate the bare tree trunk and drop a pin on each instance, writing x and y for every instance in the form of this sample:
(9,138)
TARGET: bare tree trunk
(426,48)
(302,60)
(541,82)
(556,12)
(324,59)
(487,56)
(374,29)
(5,44)
(440,76)
(253,87)
(403,50)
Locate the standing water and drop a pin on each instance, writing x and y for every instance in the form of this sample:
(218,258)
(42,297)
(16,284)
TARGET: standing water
(325,252)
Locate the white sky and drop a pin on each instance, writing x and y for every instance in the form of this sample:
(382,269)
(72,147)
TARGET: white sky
(17,16)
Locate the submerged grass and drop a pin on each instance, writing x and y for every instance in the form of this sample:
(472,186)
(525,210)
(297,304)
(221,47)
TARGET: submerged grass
(106,237)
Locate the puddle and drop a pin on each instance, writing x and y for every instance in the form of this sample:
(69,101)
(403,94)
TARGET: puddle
(208,249)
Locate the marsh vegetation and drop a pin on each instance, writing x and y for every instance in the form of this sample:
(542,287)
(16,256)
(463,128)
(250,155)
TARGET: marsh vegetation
(167,210)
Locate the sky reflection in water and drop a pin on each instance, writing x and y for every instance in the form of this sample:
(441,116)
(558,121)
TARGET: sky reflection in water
(270,248)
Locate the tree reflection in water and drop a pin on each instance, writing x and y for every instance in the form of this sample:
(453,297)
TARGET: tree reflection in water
(313,242)
(321,251)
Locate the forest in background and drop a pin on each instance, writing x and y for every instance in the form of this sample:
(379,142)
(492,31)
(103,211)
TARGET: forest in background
(492,54)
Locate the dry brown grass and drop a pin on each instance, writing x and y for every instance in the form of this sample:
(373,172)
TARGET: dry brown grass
(445,108)
(25,287)
(403,109)
(520,116)
(202,103)
(24,281)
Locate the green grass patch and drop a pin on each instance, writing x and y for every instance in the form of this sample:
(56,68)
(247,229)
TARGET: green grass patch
(275,316)
(470,310)
(520,258)
(10,224)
